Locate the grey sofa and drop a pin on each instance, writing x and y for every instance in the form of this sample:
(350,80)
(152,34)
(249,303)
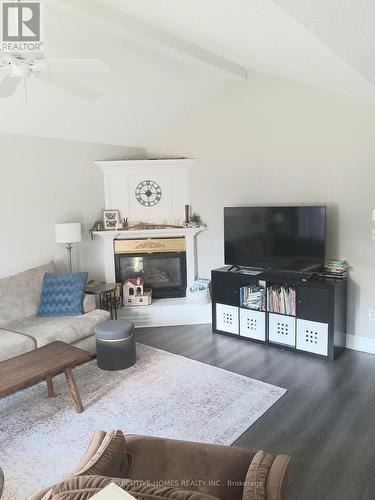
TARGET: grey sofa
(22,331)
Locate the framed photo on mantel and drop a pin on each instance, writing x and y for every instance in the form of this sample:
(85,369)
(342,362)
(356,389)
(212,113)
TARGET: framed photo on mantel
(111,219)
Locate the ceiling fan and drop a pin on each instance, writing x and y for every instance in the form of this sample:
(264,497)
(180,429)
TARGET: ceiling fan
(18,69)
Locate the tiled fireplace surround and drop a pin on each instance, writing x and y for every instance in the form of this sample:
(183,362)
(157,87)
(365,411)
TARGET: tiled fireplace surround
(120,180)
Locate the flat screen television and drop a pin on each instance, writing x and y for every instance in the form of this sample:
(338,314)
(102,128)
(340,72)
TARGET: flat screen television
(280,238)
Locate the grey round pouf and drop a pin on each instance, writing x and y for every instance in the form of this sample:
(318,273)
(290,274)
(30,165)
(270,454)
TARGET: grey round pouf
(115,344)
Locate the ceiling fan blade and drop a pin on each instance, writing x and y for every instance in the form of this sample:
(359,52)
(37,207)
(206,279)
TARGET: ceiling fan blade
(73,65)
(70,86)
(9,85)
(7,59)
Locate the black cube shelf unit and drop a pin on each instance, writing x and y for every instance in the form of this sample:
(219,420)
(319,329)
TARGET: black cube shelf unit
(318,328)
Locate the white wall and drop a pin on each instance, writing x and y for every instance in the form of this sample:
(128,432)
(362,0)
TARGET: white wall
(44,181)
(269,141)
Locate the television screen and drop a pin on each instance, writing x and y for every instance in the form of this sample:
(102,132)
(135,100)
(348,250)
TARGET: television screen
(290,238)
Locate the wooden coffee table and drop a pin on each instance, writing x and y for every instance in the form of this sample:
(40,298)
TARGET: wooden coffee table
(43,364)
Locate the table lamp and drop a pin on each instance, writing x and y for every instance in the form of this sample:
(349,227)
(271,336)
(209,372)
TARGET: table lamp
(68,233)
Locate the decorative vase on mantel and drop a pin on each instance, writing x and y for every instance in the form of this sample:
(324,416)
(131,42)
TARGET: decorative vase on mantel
(187,215)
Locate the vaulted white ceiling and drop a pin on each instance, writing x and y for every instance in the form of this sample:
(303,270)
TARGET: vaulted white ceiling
(345,26)
(271,36)
(169,55)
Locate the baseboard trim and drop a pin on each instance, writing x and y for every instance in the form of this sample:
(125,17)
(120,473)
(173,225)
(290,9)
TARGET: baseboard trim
(363,344)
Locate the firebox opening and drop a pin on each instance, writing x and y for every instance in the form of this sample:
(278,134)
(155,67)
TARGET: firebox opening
(163,271)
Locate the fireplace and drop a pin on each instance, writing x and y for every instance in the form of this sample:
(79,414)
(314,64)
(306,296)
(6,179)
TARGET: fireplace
(123,250)
(161,261)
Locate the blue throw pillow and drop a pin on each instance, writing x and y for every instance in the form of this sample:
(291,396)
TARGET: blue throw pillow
(62,294)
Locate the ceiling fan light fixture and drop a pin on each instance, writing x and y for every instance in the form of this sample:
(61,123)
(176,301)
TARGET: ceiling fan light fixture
(51,71)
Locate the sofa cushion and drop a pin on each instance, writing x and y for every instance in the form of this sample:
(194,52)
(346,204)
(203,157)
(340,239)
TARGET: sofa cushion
(68,329)
(89,303)
(106,456)
(87,344)
(20,294)
(12,344)
(62,294)
(190,462)
(84,487)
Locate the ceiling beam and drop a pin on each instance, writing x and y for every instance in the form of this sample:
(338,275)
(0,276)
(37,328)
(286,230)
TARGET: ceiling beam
(157,39)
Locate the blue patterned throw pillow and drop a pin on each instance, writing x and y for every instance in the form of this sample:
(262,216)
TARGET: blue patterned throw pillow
(62,294)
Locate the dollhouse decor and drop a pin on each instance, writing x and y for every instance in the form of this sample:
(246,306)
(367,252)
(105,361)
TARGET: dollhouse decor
(135,294)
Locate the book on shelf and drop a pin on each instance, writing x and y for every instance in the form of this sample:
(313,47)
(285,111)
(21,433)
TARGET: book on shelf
(336,276)
(253,297)
(281,300)
(336,266)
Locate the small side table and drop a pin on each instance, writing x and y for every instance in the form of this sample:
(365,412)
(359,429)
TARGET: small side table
(106,297)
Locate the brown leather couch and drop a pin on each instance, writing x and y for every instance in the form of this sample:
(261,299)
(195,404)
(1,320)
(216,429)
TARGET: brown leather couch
(151,468)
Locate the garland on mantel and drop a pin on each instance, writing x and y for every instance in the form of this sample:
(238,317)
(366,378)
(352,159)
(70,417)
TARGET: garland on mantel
(195,222)
(139,226)
(148,225)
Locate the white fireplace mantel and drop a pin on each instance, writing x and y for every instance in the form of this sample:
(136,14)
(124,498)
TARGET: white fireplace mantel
(189,234)
(131,234)
(121,179)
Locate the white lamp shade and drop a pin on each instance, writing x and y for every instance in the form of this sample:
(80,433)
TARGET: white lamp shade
(68,233)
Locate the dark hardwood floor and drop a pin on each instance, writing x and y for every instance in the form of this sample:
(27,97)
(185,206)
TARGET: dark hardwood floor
(325,421)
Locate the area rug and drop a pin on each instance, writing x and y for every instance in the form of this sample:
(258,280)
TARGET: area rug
(166,395)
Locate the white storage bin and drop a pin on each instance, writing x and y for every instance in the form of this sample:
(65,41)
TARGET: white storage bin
(282,329)
(253,324)
(227,318)
(312,336)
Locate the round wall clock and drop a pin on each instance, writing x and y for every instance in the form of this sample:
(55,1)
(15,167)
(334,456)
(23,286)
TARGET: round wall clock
(148,193)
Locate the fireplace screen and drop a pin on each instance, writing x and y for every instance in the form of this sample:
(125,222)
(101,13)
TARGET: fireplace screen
(165,273)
